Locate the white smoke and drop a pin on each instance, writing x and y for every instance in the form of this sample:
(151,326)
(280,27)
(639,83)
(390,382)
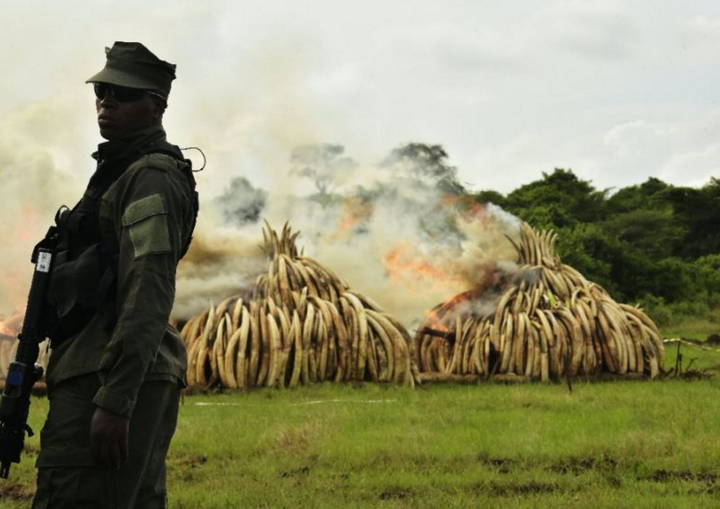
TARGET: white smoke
(391,236)
(397,239)
(32,190)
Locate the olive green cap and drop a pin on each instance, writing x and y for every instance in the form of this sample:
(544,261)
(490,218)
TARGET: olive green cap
(132,65)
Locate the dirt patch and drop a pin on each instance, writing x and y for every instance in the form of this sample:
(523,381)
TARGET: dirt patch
(188,465)
(516,488)
(706,482)
(394,493)
(577,466)
(31,448)
(298,472)
(664,476)
(189,460)
(502,465)
(13,491)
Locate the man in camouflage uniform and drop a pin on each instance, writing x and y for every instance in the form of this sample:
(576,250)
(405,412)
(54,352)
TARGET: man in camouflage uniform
(117,367)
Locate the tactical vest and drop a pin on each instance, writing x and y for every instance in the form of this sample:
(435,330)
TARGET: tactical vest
(84,272)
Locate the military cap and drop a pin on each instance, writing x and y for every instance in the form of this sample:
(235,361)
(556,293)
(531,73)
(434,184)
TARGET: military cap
(132,65)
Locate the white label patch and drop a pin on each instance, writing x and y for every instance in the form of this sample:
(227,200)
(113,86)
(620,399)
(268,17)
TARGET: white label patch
(43,263)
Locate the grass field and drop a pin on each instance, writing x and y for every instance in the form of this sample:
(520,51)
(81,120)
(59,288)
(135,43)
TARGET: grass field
(628,444)
(696,328)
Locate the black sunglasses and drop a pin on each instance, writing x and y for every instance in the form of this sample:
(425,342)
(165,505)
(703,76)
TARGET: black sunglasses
(121,94)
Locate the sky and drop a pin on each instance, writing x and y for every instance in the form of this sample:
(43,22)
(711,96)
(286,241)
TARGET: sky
(616,91)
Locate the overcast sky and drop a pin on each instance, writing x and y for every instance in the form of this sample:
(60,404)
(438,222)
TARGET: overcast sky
(617,91)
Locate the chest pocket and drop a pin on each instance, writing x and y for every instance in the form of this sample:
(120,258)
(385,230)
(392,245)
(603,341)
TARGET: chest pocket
(146,223)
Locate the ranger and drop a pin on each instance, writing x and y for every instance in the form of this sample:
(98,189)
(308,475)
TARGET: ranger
(116,367)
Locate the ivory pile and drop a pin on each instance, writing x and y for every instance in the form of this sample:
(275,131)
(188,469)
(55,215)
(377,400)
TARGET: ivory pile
(300,324)
(550,322)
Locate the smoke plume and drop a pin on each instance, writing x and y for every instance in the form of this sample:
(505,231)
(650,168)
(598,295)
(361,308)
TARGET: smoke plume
(383,223)
(394,236)
(32,190)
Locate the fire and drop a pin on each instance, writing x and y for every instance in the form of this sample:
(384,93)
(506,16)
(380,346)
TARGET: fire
(439,319)
(32,225)
(354,210)
(11,326)
(14,285)
(4,329)
(467,208)
(403,262)
(17,270)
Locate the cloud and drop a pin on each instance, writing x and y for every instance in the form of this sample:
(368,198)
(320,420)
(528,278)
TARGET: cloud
(699,40)
(485,49)
(598,31)
(682,153)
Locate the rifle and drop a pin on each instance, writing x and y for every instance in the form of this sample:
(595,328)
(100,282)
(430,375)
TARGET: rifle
(24,371)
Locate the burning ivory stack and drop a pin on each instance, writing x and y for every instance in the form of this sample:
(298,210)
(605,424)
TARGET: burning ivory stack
(549,323)
(302,324)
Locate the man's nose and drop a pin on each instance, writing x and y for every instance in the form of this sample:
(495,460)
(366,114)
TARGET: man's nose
(108,101)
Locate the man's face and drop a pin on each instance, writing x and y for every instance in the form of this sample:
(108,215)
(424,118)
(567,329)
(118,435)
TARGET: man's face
(119,120)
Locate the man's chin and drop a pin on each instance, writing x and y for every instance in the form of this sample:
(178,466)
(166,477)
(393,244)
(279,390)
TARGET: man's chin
(110,134)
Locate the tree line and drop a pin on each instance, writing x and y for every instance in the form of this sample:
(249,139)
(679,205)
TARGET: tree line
(652,244)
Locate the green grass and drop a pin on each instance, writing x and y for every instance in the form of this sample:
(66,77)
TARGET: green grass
(695,328)
(616,445)
(693,357)
(605,445)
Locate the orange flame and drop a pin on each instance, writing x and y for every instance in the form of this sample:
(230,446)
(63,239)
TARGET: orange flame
(441,317)
(403,262)
(17,270)
(11,326)
(466,207)
(4,329)
(354,210)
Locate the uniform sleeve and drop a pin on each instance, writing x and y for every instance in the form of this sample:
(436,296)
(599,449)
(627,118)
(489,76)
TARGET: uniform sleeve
(150,213)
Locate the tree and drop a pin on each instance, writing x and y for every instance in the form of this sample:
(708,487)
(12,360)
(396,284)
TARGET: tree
(592,252)
(322,163)
(490,196)
(698,211)
(647,195)
(241,203)
(560,199)
(654,232)
(425,162)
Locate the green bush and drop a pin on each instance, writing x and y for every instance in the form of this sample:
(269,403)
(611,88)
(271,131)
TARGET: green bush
(657,310)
